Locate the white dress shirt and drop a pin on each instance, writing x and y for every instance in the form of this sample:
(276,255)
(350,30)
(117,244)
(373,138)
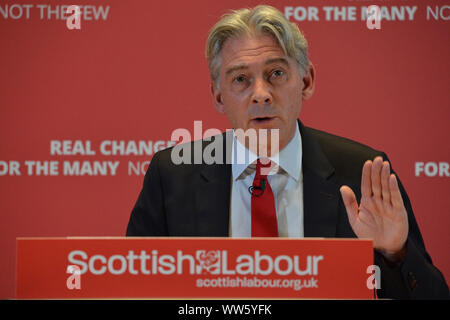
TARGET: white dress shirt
(286,184)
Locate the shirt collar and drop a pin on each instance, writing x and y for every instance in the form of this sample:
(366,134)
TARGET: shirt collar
(289,158)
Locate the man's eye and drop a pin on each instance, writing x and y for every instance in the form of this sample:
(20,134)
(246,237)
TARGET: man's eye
(277,76)
(240,79)
(277,73)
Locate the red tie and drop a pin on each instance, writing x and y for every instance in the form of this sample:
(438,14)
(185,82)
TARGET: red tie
(264,215)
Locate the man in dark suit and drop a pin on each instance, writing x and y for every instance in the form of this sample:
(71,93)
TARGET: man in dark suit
(319,185)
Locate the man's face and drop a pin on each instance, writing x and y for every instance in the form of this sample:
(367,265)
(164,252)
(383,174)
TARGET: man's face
(260,87)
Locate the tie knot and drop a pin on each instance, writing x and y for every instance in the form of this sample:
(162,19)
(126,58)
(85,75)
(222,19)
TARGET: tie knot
(263,167)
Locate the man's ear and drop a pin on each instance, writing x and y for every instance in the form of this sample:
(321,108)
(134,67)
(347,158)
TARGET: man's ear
(309,82)
(217,97)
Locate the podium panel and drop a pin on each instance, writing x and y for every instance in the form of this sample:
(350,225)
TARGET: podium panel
(193,268)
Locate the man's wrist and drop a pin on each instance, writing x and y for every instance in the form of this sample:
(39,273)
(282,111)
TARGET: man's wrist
(394,258)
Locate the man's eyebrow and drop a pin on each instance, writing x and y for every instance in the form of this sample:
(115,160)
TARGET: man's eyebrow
(275,60)
(237,67)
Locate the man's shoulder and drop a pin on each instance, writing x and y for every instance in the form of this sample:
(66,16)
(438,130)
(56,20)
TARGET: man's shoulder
(342,153)
(338,144)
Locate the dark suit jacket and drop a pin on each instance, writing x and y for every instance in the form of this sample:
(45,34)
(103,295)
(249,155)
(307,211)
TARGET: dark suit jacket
(194,200)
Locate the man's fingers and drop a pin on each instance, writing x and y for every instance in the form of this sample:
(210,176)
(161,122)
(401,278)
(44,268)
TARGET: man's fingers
(396,196)
(385,190)
(366,183)
(349,198)
(376,176)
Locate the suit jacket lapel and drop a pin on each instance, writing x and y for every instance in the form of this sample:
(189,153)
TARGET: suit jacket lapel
(212,201)
(320,194)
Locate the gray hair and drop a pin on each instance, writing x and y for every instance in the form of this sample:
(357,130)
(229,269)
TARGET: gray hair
(256,21)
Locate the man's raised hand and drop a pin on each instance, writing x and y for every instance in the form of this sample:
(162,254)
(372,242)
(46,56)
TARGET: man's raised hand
(381,215)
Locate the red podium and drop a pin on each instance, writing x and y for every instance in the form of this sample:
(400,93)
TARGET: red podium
(193,268)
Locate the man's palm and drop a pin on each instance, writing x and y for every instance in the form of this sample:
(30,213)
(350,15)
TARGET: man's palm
(381,215)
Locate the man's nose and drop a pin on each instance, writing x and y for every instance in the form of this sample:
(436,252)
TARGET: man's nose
(261,92)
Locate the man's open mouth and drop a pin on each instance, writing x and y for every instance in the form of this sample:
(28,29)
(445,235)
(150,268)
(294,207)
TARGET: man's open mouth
(263,119)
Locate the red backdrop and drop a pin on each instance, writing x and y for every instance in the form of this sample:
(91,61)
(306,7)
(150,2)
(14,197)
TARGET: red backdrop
(136,71)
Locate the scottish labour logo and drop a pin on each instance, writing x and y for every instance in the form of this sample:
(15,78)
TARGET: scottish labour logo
(208,261)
